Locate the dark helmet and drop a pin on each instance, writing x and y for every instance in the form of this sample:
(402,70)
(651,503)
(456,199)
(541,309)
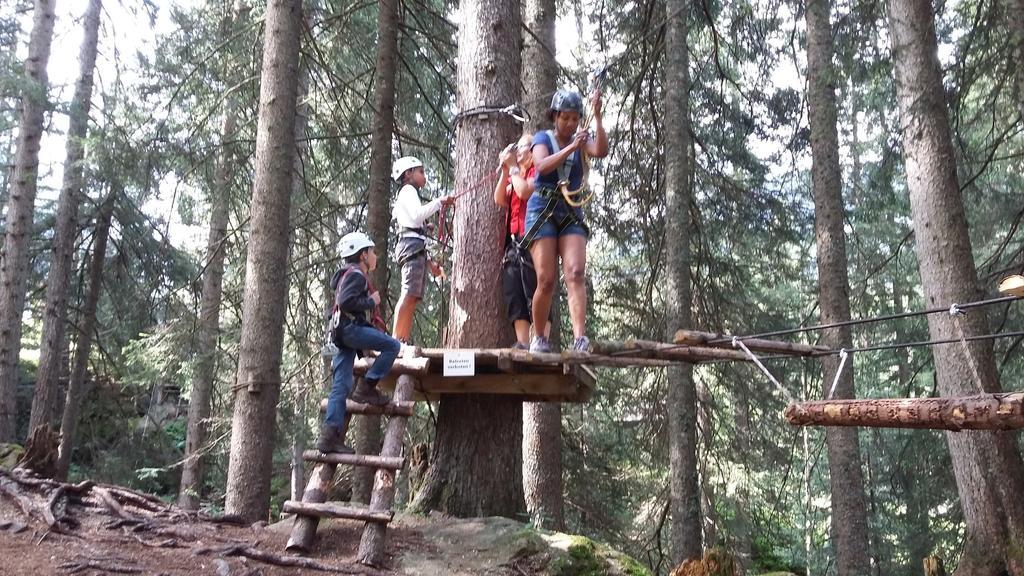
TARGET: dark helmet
(565,101)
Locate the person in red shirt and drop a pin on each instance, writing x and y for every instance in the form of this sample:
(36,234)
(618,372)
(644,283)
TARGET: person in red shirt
(518,278)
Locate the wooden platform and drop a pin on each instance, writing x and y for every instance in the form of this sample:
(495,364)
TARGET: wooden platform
(532,377)
(568,376)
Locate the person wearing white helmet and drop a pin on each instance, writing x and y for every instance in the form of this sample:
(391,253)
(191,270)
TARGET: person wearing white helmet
(411,212)
(351,329)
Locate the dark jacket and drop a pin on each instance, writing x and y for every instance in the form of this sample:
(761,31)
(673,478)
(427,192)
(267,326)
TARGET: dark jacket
(352,297)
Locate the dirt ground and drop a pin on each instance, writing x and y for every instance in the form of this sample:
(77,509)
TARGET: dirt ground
(92,529)
(93,548)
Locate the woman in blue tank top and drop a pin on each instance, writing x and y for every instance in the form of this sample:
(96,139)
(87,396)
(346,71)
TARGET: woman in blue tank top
(554,228)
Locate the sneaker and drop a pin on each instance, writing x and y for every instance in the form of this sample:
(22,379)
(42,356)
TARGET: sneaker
(582,344)
(520,346)
(540,344)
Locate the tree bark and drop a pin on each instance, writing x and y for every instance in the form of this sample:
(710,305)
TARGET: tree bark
(73,399)
(684,481)
(378,211)
(258,385)
(542,421)
(477,469)
(849,506)
(193,470)
(20,207)
(44,400)
(987,465)
(1015,22)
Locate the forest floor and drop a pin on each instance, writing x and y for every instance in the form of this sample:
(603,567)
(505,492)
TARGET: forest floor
(47,528)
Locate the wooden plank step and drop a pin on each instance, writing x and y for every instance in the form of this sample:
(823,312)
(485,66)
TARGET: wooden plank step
(393,409)
(332,510)
(370,460)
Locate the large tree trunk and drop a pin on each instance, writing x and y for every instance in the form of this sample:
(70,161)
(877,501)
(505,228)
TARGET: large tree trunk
(20,207)
(684,481)
(258,384)
(44,401)
(87,325)
(542,422)
(987,465)
(192,470)
(849,507)
(477,470)
(378,212)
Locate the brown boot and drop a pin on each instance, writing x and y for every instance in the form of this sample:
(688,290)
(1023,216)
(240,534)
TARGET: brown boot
(366,393)
(331,440)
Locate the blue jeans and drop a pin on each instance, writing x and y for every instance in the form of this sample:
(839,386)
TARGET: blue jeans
(355,338)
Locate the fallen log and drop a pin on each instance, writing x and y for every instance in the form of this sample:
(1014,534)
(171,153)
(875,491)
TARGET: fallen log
(981,412)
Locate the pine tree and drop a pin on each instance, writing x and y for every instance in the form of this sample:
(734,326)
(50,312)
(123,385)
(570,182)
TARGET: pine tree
(258,379)
(20,207)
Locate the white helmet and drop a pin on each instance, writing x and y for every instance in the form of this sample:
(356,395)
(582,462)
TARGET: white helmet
(352,243)
(402,164)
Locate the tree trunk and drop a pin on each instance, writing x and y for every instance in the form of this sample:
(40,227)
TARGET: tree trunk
(1015,21)
(20,207)
(367,429)
(192,470)
(299,429)
(44,401)
(73,399)
(542,422)
(684,481)
(477,469)
(258,385)
(849,507)
(987,465)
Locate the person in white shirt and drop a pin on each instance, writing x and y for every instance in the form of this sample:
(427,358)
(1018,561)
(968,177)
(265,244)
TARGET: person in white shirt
(411,214)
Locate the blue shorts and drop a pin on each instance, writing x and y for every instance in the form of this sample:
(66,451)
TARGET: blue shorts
(553,227)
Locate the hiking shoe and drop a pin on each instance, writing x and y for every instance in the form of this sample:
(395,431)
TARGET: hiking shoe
(366,393)
(331,440)
(540,344)
(520,346)
(582,344)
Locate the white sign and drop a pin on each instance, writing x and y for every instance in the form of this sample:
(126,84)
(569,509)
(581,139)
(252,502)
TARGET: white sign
(459,363)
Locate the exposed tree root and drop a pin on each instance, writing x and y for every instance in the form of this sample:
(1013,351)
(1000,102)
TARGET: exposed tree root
(281,560)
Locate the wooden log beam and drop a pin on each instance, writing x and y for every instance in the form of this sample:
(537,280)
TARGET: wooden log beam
(697,338)
(304,528)
(503,358)
(416,366)
(661,350)
(981,412)
(370,460)
(406,409)
(371,546)
(331,510)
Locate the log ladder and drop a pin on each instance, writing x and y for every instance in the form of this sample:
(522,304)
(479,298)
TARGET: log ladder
(379,513)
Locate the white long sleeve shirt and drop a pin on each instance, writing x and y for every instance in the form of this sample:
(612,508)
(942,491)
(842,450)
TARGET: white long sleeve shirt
(410,213)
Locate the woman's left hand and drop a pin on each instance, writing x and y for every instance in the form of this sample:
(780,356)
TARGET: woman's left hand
(595,102)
